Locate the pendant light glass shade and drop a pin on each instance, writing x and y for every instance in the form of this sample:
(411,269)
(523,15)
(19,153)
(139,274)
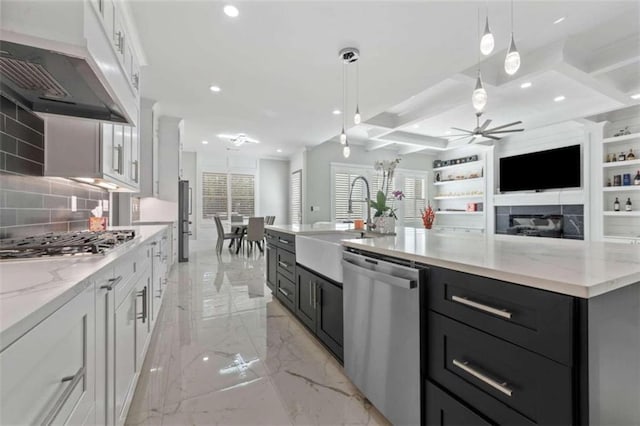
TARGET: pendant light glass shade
(479,96)
(343,137)
(357,119)
(487,43)
(346,151)
(512,61)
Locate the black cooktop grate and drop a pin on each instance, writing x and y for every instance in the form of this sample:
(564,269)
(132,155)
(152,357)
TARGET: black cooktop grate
(63,243)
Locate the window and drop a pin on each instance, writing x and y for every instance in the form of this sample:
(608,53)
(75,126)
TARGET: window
(295,195)
(214,195)
(242,194)
(342,186)
(224,193)
(415,198)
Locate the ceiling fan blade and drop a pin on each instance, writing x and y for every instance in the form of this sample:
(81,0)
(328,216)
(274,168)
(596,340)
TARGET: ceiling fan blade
(485,124)
(459,138)
(504,131)
(472,139)
(463,130)
(506,125)
(453,136)
(495,138)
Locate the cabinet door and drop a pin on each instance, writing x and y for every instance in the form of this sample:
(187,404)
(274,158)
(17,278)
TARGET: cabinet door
(306,297)
(125,353)
(329,321)
(135,74)
(443,410)
(108,17)
(126,156)
(134,157)
(109,156)
(142,291)
(105,346)
(155,173)
(117,152)
(119,36)
(272,267)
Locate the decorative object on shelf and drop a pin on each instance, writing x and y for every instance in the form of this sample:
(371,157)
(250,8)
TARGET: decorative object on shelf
(512,60)
(614,158)
(631,155)
(437,164)
(636,180)
(438,177)
(622,132)
(482,131)
(626,179)
(627,205)
(622,157)
(617,180)
(616,205)
(348,55)
(608,181)
(472,207)
(428,216)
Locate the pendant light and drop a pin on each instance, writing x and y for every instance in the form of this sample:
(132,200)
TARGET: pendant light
(348,55)
(512,60)
(357,118)
(479,96)
(346,151)
(343,135)
(487,42)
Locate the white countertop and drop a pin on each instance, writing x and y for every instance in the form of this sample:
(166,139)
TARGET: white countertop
(318,228)
(32,289)
(576,268)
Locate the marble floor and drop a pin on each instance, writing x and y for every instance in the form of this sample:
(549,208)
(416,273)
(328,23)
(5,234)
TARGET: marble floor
(225,352)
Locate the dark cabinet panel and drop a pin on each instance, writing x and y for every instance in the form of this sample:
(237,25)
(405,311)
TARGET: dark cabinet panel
(272,267)
(443,410)
(493,375)
(286,292)
(286,264)
(306,297)
(538,320)
(329,320)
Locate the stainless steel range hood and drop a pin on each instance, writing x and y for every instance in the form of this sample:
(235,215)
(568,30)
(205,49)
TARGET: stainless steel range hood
(55,83)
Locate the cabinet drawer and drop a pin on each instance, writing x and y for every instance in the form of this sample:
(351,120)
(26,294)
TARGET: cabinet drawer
(286,292)
(286,263)
(128,270)
(47,374)
(535,319)
(489,373)
(443,410)
(281,239)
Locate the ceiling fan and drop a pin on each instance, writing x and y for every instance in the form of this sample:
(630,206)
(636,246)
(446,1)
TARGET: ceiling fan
(239,139)
(483,131)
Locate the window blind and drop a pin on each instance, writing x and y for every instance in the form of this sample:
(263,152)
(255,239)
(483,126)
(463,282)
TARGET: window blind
(242,194)
(295,195)
(214,195)
(414,192)
(342,185)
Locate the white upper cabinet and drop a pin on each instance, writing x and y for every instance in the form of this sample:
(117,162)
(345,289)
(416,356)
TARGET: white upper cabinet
(94,31)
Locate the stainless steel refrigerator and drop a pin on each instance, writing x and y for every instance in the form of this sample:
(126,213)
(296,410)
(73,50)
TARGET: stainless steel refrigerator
(185,209)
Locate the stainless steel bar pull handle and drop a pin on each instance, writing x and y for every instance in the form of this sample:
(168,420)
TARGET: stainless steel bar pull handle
(405,283)
(311,294)
(57,407)
(283,264)
(143,294)
(111,283)
(499,386)
(283,292)
(489,309)
(283,241)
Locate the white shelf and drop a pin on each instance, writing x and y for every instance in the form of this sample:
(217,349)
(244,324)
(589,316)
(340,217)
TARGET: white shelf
(568,196)
(621,188)
(622,213)
(440,212)
(623,138)
(621,163)
(458,197)
(455,166)
(447,182)
(474,228)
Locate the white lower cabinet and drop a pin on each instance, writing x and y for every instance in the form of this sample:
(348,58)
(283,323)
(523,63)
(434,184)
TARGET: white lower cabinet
(143,320)
(105,283)
(125,354)
(48,375)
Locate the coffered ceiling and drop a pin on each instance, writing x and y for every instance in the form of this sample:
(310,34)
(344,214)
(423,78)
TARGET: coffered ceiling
(280,78)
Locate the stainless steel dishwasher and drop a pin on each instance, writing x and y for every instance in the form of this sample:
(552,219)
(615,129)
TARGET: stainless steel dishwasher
(382,333)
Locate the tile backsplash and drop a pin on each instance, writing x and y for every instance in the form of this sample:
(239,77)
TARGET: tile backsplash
(29,203)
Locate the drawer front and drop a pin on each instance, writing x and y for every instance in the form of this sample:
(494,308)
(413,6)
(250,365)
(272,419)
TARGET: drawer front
(128,270)
(488,373)
(286,292)
(281,239)
(286,264)
(48,374)
(535,319)
(443,410)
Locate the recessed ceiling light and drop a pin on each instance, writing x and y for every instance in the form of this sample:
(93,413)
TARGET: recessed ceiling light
(448,132)
(337,112)
(205,358)
(278,150)
(415,126)
(557,21)
(635,96)
(525,85)
(231,11)
(559,98)
(215,88)
(205,142)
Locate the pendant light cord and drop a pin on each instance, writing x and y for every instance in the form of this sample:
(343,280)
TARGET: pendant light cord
(357,84)
(511,16)
(344,94)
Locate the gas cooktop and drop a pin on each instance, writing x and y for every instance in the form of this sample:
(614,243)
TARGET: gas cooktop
(64,244)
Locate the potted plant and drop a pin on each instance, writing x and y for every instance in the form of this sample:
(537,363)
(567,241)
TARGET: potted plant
(384,219)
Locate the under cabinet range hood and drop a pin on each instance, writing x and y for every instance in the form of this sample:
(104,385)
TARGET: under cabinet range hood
(55,83)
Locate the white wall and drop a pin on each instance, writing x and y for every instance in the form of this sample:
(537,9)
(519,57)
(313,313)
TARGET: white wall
(317,190)
(273,190)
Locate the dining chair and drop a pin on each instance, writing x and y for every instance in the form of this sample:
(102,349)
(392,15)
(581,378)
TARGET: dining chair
(255,232)
(272,220)
(223,235)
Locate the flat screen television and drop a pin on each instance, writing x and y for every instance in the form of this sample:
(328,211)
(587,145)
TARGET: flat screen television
(551,169)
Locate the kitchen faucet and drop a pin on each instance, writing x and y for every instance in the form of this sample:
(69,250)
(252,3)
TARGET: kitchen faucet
(368,200)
